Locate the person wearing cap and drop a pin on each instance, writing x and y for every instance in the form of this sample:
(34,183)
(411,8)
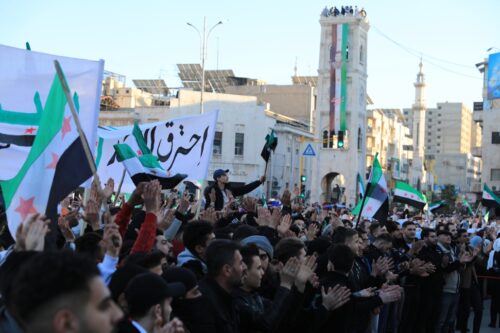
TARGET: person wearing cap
(189,307)
(222,191)
(149,299)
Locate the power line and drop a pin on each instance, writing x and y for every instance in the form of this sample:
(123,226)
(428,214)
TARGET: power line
(419,54)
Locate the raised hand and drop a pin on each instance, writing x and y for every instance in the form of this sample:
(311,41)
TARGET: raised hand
(285,224)
(152,195)
(289,272)
(91,214)
(312,231)
(65,229)
(263,217)
(275,217)
(209,215)
(390,294)
(249,204)
(112,239)
(305,273)
(381,266)
(335,297)
(165,219)
(286,198)
(184,203)
(31,233)
(108,189)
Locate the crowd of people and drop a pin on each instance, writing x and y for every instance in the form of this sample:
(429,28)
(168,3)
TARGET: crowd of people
(344,11)
(158,263)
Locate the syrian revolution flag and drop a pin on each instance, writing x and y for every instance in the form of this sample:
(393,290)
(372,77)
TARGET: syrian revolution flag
(142,165)
(26,78)
(467,205)
(270,145)
(490,199)
(377,198)
(55,165)
(436,205)
(404,193)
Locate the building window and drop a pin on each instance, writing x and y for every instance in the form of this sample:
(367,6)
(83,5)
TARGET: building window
(439,144)
(495,137)
(217,148)
(495,174)
(439,122)
(439,136)
(360,139)
(239,140)
(361,55)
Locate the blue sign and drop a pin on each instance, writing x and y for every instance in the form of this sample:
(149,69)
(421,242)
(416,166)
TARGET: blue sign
(493,85)
(309,151)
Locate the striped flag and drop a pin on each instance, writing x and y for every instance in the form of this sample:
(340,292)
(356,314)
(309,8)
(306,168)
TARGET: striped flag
(54,167)
(466,204)
(490,199)
(142,165)
(406,194)
(377,198)
(436,205)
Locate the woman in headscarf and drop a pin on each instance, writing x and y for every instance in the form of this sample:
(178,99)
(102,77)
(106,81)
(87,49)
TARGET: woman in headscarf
(494,283)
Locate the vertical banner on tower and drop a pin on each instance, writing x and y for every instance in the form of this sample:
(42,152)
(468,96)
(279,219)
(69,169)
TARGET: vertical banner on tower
(333,52)
(339,54)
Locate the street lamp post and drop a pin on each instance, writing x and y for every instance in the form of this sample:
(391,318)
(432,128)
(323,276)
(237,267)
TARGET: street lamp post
(203,45)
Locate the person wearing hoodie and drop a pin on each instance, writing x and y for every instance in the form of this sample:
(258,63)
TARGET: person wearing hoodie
(196,237)
(188,307)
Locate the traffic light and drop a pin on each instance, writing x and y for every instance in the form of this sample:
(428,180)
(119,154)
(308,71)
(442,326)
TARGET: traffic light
(340,139)
(303,179)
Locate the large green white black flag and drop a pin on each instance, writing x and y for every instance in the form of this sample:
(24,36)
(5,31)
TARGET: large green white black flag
(26,78)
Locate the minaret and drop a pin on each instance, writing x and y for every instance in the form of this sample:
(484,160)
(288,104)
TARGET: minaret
(418,130)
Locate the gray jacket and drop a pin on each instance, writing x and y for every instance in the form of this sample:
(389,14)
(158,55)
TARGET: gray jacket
(451,271)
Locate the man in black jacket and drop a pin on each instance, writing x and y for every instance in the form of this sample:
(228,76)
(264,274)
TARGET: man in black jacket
(220,193)
(225,270)
(258,314)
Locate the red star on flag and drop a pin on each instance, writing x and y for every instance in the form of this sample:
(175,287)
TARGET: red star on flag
(29,130)
(139,152)
(53,164)
(369,209)
(405,194)
(25,207)
(66,126)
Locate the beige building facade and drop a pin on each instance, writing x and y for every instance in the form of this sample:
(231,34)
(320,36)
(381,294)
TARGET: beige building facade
(488,117)
(451,145)
(389,137)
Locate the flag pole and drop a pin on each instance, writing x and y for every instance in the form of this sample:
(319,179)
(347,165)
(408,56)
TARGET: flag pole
(119,187)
